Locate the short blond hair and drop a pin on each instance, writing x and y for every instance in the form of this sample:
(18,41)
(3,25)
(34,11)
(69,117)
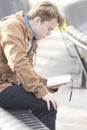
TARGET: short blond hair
(46,11)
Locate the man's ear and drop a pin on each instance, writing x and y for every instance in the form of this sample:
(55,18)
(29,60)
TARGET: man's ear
(37,20)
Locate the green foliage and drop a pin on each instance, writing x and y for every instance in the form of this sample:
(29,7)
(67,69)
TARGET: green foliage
(64,25)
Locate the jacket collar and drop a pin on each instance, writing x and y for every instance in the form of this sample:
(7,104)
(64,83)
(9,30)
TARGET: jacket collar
(26,19)
(20,15)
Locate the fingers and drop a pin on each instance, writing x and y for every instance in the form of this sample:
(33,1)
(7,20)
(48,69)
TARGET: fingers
(54,104)
(48,105)
(49,98)
(56,86)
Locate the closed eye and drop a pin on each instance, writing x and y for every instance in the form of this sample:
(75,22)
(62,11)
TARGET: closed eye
(50,28)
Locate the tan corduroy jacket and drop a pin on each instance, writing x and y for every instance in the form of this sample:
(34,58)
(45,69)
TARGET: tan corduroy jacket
(16,56)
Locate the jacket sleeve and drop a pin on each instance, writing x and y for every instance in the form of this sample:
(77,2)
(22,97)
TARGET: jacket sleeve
(14,47)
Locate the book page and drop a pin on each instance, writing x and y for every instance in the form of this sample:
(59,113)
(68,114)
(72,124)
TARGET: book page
(56,80)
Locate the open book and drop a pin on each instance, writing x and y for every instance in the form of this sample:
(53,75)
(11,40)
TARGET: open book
(58,80)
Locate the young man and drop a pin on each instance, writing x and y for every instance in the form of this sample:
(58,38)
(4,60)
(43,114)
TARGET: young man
(20,86)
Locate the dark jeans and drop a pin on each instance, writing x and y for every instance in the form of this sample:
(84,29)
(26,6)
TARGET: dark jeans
(15,97)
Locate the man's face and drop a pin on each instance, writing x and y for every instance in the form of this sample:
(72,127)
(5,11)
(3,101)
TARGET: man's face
(44,29)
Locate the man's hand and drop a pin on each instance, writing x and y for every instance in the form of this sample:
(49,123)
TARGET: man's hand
(49,98)
(56,86)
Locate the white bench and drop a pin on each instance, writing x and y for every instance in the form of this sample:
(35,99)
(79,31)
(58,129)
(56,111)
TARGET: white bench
(19,120)
(76,32)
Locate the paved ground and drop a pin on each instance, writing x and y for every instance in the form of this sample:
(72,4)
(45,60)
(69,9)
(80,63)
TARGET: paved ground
(53,59)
